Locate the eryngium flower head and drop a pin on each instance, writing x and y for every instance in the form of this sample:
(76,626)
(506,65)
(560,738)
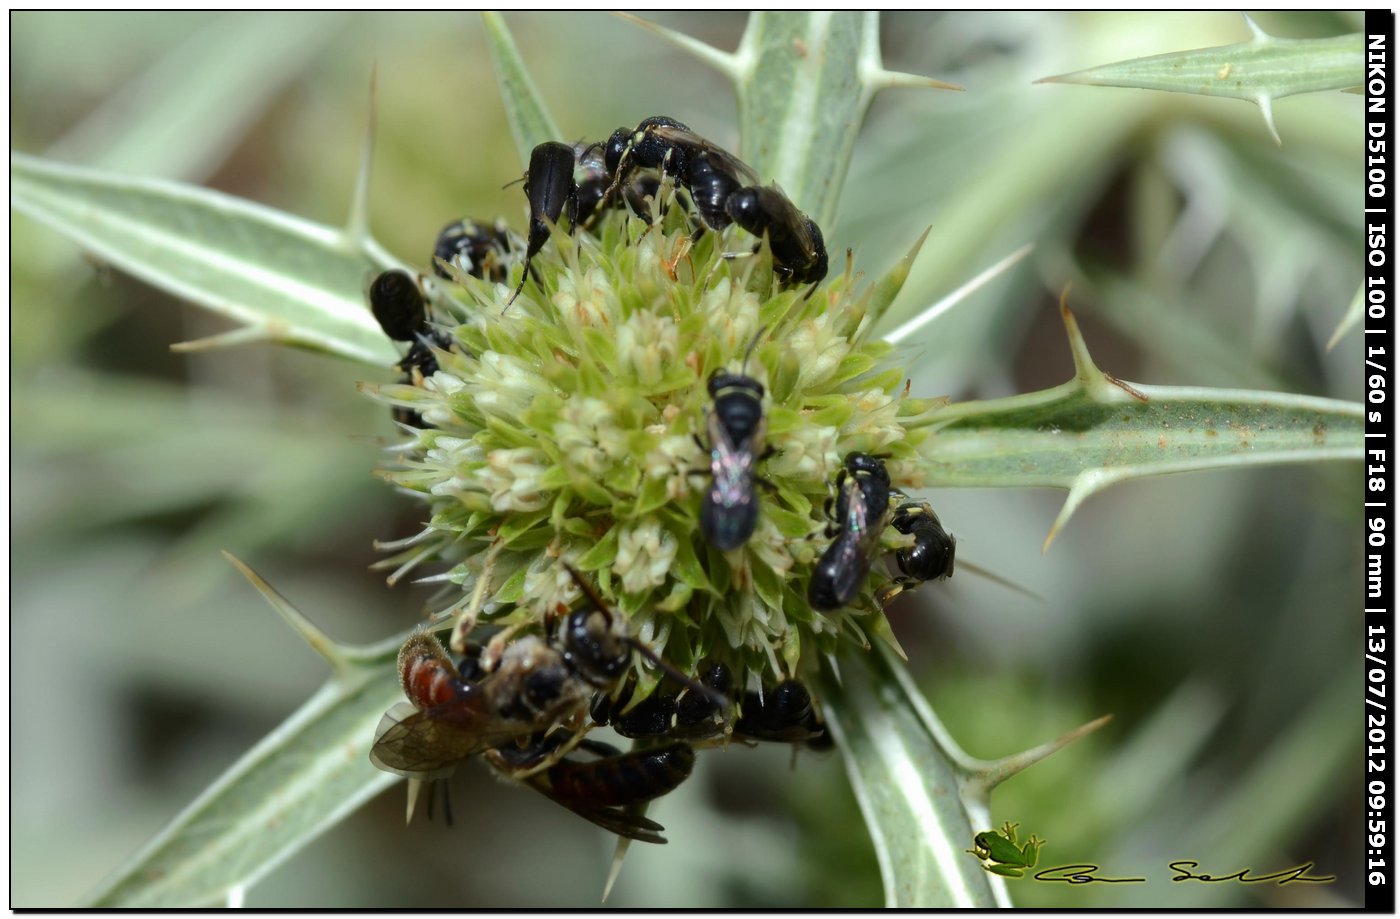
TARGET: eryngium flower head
(570,426)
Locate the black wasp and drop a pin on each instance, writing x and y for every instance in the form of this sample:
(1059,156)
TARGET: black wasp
(735,425)
(708,171)
(781,714)
(604,788)
(724,190)
(485,252)
(402,312)
(593,180)
(676,714)
(550,188)
(931,556)
(799,252)
(862,507)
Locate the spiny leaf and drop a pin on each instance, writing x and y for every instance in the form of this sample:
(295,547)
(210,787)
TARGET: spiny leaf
(287,279)
(303,778)
(300,780)
(804,82)
(907,778)
(723,61)
(530,121)
(998,771)
(1259,70)
(1096,431)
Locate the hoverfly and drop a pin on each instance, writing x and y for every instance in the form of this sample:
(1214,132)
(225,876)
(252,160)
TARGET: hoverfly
(862,507)
(538,685)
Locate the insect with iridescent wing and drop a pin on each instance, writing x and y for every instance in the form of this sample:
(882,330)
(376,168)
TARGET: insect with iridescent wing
(861,511)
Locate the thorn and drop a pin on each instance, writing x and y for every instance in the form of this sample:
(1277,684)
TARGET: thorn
(415,788)
(1349,319)
(723,61)
(1266,106)
(313,636)
(835,669)
(1085,484)
(1098,385)
(889,79)
(1259,34)
(978,281)
(988,574)
(247,334)
(619,853)
(881,629)
(357,227)
(994,773)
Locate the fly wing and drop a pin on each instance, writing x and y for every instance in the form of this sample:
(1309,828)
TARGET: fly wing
(429,743)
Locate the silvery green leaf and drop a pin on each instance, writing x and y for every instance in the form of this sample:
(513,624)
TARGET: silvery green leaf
(282,278)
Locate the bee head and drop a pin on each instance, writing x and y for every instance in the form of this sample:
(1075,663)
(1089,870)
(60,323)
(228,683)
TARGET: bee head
(612,150)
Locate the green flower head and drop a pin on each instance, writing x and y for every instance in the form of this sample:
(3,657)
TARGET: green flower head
(572,426)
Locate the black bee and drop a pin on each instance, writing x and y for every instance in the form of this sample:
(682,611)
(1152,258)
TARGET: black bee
(603,789)
(712,182)
(799,252)
(478,250)
(931,556)
(683,714)
(784,714)
(550,189)
(402,312)
(735,425)
(724,189)
(781,714)
(663,143)
(862,508)
(594,180)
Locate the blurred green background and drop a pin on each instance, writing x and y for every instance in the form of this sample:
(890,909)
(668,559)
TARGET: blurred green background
(1216,616)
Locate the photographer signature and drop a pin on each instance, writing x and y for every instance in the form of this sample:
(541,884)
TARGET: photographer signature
(1088,874)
